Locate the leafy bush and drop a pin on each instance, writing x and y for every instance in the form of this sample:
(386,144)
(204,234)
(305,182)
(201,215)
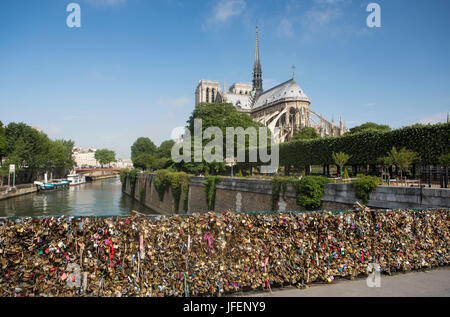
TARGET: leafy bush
(364,185)
(310,191)
(162,183)
(123,175)
(210,190)
(279,185)
(346,174)
(133,173)
(178,182)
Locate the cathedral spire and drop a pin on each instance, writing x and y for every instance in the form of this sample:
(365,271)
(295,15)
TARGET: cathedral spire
(257,72)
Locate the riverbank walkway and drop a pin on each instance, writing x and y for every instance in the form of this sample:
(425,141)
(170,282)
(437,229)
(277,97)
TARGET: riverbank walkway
(430,283)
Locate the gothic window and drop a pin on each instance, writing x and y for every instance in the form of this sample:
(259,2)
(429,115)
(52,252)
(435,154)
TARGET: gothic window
(213,95)
(207,94)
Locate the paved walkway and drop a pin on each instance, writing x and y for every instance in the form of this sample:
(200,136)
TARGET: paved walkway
(434,282)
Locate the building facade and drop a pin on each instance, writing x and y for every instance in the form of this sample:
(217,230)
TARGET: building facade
(284,108)
(85,157)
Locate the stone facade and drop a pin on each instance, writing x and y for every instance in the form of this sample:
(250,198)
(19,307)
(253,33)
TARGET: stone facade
(246,195)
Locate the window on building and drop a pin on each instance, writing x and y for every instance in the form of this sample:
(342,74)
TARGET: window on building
(213,95)
(207,94)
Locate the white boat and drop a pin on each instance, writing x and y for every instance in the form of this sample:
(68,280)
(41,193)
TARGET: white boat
(76,179)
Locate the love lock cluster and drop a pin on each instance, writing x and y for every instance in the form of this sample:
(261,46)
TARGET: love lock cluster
(212,254)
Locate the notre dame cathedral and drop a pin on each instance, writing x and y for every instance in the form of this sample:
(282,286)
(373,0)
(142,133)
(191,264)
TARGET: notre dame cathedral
(284,108)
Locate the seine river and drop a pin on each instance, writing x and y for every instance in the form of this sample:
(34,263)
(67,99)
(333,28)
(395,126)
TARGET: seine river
(99,198)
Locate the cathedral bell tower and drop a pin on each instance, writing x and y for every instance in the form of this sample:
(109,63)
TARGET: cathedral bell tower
(257,72)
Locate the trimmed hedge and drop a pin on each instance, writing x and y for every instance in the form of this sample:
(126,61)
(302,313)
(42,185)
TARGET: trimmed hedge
(429,141)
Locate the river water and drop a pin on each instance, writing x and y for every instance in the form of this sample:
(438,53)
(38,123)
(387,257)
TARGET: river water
(99,198)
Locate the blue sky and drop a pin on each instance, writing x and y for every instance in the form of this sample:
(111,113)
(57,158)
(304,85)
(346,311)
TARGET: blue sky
(132,67)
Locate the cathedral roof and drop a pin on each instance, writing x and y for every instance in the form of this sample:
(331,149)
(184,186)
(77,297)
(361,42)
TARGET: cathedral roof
(288,90)
(239,100)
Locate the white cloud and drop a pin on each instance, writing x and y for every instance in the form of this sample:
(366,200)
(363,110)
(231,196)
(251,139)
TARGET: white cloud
(331,1)
(106,3)
(328,17)
(285,28)
(224,10)
(320,17)
(179,102)
(434,118)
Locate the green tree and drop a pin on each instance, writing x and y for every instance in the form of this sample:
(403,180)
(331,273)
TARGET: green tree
(165,149)
(222,115)
(370,126)
(60,154)
(340,159)
(144,161)
(27,146)
(307,133)
(142,145)
(105,156)
(402,158)
(2,142)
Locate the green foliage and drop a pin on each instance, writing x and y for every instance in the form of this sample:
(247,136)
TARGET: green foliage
(310,191)
(307,133)
(240,173)
(105,156)
(370,126)
(144,161)
(210,190)
(364,185)
(60,154)
(186,193)
(429,141)
(145,155)
(340,158)
(33,150)
(402,158)
(444,159)
(142,145)
(222,116)
(178,182)
(123,177)
(132,175)
(2,141)
(165,149)
(279,185)
(346,174)
(162,183)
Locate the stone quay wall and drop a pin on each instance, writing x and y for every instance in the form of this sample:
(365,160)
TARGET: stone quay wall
(250,195)
(18,190)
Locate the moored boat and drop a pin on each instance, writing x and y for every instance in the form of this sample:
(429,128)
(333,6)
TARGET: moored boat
(76,179)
